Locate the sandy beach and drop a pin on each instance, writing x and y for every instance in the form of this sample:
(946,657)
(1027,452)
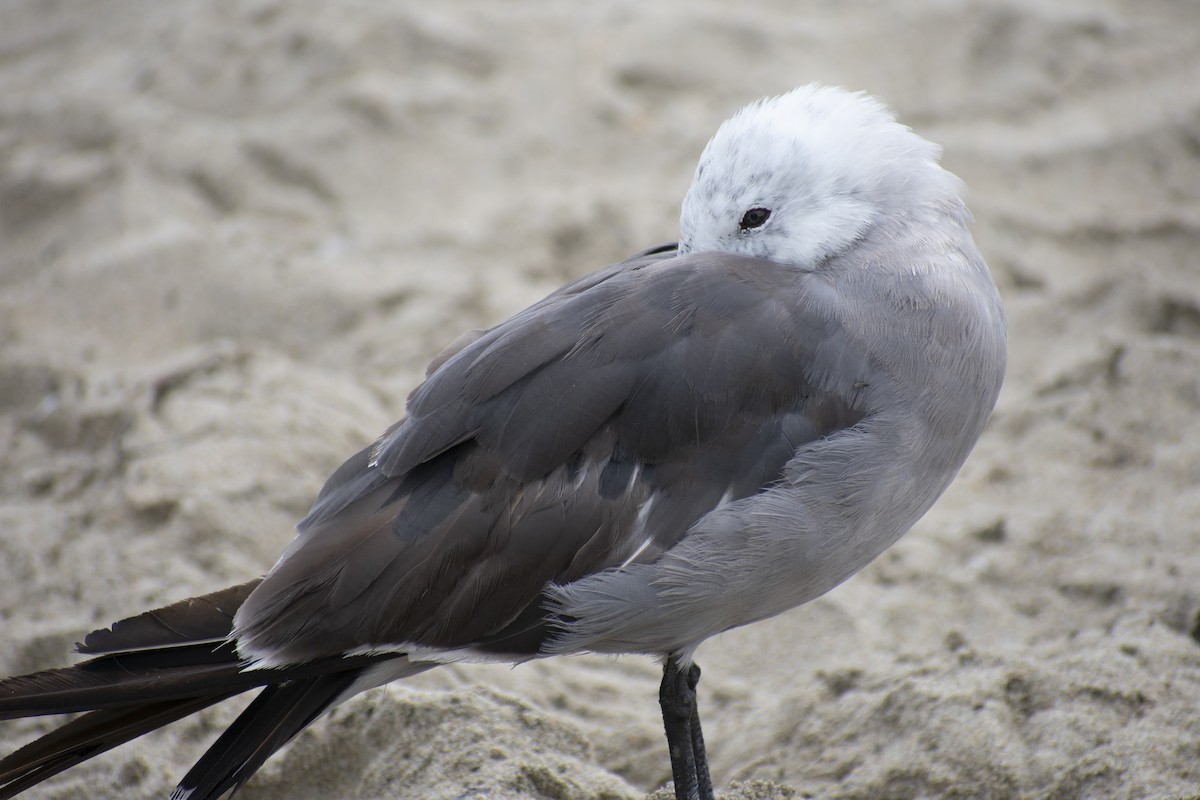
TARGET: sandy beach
(232,233)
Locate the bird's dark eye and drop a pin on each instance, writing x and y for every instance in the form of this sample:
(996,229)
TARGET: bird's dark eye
(754,218)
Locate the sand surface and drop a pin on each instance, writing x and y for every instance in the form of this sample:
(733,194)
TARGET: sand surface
(232,232)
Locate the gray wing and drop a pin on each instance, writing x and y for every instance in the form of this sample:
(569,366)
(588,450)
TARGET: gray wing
(589,431)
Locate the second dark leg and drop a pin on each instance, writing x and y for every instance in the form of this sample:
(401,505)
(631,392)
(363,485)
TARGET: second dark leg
(681,720)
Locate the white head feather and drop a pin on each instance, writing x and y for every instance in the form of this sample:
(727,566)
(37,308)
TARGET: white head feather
(826,163)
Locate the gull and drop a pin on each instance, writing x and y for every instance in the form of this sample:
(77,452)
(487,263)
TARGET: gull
(699,437)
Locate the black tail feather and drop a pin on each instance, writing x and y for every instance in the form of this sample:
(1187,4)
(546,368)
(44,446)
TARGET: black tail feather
(278,713)
(170,653)
(158,667)
(124,679)
(136,679)
(89,736)
(207,618)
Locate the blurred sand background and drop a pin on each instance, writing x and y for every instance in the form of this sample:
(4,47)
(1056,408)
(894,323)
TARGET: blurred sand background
(232,232)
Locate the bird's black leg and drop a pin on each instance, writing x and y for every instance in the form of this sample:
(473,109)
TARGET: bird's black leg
(699,754)
(681,719)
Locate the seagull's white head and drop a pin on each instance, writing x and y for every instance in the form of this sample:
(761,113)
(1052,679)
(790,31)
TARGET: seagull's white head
(801,177)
